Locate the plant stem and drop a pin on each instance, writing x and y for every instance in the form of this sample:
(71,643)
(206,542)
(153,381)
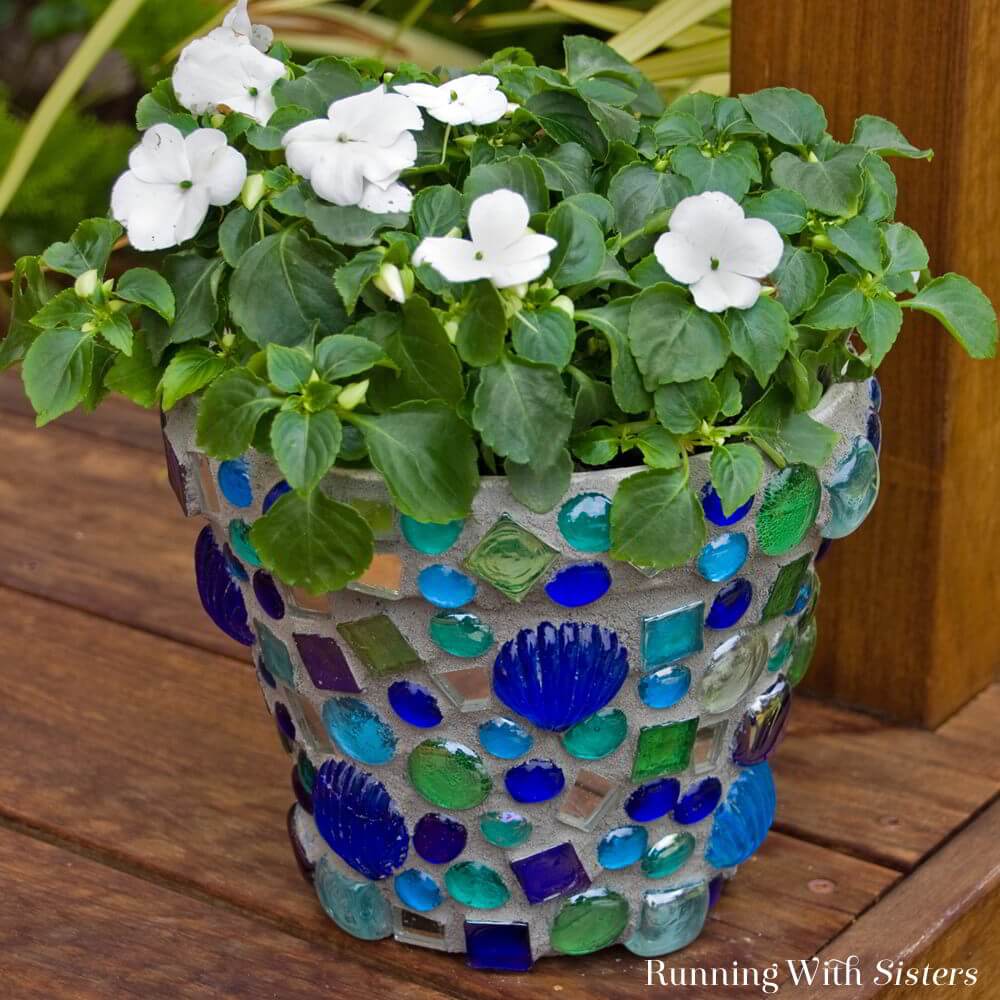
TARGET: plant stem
(412,16)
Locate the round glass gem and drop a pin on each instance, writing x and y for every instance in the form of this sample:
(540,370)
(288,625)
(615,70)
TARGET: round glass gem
(653,800)
(274,494)
(239,539)
(723,556)
(448,774)
(460,634)
(234,481)
(668,855)
(505,829)
(733,669)
(664,688)
(505,739)
(730,604)
(302,794)
(585,522)
(788,510)
(589,921)
(431,539)
(356,907)
(283,719)
(875,431)
(622,847)
(534,781)
(445,587)
(414,704)
(875,393)
(477,885)
(802,652)
(267,594)
(358,730)
(439,839)
(852,489)
(711,503)
(417,890)
(782,648)
(575,586)
(698,802)
(598,736)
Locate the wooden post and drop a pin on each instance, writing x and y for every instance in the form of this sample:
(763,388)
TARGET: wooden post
(910,614)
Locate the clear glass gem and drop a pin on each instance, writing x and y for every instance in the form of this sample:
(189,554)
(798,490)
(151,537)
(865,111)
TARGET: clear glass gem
(734,668)
(670,919)
(852,489)
(510,558)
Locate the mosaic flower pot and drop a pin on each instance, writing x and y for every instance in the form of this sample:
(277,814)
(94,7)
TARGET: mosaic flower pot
(501,741)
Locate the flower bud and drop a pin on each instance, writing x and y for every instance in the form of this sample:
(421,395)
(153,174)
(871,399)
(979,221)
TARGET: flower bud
(565,304)
(218,120)
(519,290)
(253,191)
(451,328)
(454,232)
(86,284)
(353,395)
(389,281)
(116,306)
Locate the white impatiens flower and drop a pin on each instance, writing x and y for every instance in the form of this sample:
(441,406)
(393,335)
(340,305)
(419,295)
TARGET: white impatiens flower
(238,21)
(355,155)
(466,100)
(164,196)
(718,252)
(502,249)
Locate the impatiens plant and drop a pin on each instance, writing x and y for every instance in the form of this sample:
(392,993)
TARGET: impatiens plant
(516,272)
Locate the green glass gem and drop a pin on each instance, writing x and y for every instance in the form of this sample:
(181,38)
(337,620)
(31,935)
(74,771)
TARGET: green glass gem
(274,654)
(786,587)
(589,921)
(802,653)
(380,517)
(449,774)
(379,645)
(788,509)
(239,542)
(510,558)
(667,855)
(460,634)
(505,829)
(476,885)
(307,772)
(664,749)
(782,648)
(597,736)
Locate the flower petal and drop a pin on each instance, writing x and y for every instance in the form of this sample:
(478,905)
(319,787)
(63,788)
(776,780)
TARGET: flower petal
(383,164)
(453,259)
(394,198)
(425,95)
(338,175)
(680,258)
(498,219)
(161,157)
(753,248)
(238,19)
(375,116)
(529,246)
(215,165)
(519,272)
(489,108)
(157,216)
(705,219)
(720,290)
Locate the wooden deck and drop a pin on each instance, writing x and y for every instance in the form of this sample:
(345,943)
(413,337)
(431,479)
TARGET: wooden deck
(143,797)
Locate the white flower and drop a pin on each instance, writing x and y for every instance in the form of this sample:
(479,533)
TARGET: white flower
(163,198)
(389,281)
(720,253)
(355,155)
(238,21)
(502,247)
(466,100)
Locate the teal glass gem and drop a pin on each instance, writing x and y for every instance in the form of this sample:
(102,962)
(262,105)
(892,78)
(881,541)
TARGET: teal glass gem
(786,587)
(782,648)
(359,731)
(239,541)
(445,587)
(505,829)
(665,687)
(477,885)
(380,645)
(723,556)
(417,890)
(585,522)
(598,736)
(460,634)
(274,653)
(356,907)
(504,738)
(431,539)
(510,558)
(852,489)
(670,919)
(673,635)
(668,855)
(622,847)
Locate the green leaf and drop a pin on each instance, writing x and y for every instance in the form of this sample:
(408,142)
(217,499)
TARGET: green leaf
(238,232)
(540,487)
(638,194)
(189,370)
(325,81)
(730,391)
(352,277)
(656,520)
(785,210)
(160,106)
(522,410)
(904,248)
(313,542)
(672,339)
(56,372)
(791,117)
(833,186)
(520,174)
(116,329)
(426,454)
(860,240)
(288,368)
(230,411)
(885,138)
(195,283)
(760,336)
(305,446)
(592,403)
(879,201)
(568,169)
(579,255)
(962,309)
(437,210)
(29,294)
(349,225)
(736,471)
(626,380)
(684,406)
(724,172)
(879,326)
(545,335)
(567,118)
(839,308)
(785,435)
(88,248)
(65,308)
(594,205)
(799,279)
(483,328)
(344,354)
(135,377)
(660,449)
(149,289)
(675,128)
(597,446)
(269,137)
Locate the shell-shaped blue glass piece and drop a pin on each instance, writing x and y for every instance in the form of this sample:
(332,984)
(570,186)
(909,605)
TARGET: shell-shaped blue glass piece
(875,393)
(267,594)
(414,704)
(664,688)
(445,587)
(274,494)
(852,489)
(622,847)
(431,539)
(585,522)
(875,431)
(356,907)
(534,781)
(698,801)
(742,821)
(583,583)
(723,556)
(220,594)
(235,566)
(438,838)
(234,481)
(358,819)
(653,800)
(712,506)
(358,730)
(556,677)
(417,890)
(730,604)
(505,739)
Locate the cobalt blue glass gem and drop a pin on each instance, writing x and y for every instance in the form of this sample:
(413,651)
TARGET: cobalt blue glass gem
(712,506)
(698,802)
(274,494)
(234,481)
(575,586)
(414,704)
(267,594)
(534,781)
(220,594)
(498,946)
(438,838)
(653,800)
(730,604)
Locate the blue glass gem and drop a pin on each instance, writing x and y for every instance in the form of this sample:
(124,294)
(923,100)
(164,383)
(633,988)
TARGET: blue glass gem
(742,822)
(234,481)
(274,494)
(801,599)
(356,907)
(875,431)
(575,586)
(555,678)
(715,888)
(431,539)
(664,688)
(267,594)
(670,919)
(498,946)
(358,730)
(235,567)
(505,739)
(220,594)
(824,547)
(417,890)
(445,587)
(712,505)
(653,800)
(556,871)
(698,801)
(622,847)
(875,393)
(534,781)
(852,489)
(585,522)
(274,653)
(283,719)
(438,838)
(673,635)
(723,556)
(414,704)
(239,539)
(358,819)
(730,604)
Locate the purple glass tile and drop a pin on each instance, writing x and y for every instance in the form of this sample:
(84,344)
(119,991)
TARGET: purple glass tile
(439,839)
(763,724)
(326,664)
(283,718)
(268,596)
(554,872)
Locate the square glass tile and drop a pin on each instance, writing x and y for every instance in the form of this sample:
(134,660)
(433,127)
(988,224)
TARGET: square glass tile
(305,603)
(664,749)
(383,578)
(498,946)
(415,928)
(587,801)
(553,872)
(380,645)
(380,517)
(206,483)
(468,690)
(510,558)
(673,635)
(708,747)
(786,587)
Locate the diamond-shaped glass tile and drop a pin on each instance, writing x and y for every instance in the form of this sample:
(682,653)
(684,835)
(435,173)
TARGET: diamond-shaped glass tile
(304,603)
(206,483)
(786,587)
(511,558)
(646,571)
(497,945)
(383,578)
(326,664)
(673,635)
(380,517)
(468,690)
(708,747)
(379,645)
(664,749)
(315,727)
(587,801)
(415,928)
(274,653)
(550,873)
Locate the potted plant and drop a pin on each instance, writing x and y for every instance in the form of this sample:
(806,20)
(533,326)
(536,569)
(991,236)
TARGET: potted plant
(518,406)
